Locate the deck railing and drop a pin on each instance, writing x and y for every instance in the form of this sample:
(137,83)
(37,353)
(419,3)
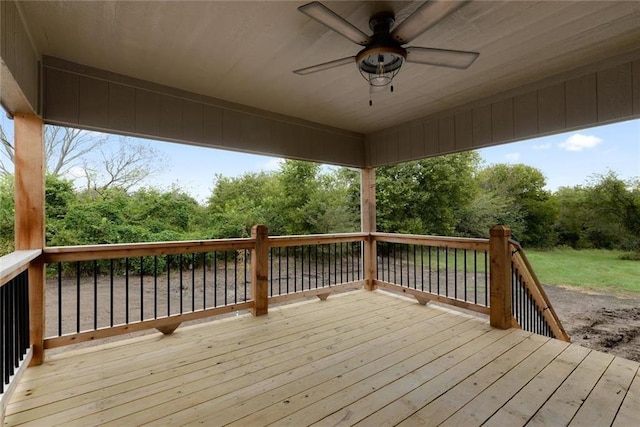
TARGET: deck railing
(15,346)
(105,290)
(314,265)
(531,307)
(454,271)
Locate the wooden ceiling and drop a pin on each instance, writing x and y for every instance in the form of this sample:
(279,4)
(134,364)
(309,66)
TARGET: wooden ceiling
(244,52)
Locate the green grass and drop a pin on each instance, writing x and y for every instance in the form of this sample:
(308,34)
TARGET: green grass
(591,269)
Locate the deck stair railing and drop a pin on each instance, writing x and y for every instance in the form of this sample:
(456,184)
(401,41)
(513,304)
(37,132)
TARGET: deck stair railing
(530,305)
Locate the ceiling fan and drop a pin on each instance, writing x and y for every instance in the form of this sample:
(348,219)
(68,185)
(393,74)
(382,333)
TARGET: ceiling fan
(383,52)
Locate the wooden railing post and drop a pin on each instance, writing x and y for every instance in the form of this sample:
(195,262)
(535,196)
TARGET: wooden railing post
(260,270)
(500,277)
(368,223)
(29,163)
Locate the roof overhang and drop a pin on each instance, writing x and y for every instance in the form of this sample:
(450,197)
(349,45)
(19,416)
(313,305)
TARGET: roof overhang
(220,74)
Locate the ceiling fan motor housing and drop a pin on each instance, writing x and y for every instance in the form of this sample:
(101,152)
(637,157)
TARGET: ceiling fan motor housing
(380,61)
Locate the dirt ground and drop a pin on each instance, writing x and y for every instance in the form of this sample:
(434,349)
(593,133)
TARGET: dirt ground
(605,322)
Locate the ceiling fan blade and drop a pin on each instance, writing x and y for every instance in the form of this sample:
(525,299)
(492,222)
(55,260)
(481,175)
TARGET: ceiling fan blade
(326,16)
(430,13)
(441,57)
(326,66)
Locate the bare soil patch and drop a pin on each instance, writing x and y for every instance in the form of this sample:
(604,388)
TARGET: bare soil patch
(605,322)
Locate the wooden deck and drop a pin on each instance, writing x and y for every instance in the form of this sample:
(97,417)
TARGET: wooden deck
(364,358)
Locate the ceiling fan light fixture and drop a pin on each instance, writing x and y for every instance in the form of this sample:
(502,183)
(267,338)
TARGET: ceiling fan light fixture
(379,65)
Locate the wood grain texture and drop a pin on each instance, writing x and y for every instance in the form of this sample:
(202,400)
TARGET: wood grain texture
(329,363)
(500,277)
(260,270)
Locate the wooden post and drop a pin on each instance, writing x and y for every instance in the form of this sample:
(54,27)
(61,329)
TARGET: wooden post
(29,163)
(500,277)
(368,223)
(260,270)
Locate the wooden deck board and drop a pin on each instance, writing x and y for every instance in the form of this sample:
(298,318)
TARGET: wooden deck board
(363,358)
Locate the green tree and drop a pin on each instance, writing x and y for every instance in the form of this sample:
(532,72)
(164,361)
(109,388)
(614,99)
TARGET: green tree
(426,196)
(573,217)
(522,187)
(299,185)
(7,214)
(614,212)
(238,203)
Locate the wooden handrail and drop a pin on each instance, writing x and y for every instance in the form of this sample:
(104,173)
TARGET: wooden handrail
(316,239)
(442,241)
(15,263)
(123,250)
(531,281)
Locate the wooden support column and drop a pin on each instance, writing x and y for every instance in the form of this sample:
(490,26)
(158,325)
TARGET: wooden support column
(29,165)
(260,270)
(368,223)
(500,277)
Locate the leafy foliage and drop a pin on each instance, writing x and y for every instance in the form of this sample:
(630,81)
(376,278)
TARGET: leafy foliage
(426,196)
(449,195)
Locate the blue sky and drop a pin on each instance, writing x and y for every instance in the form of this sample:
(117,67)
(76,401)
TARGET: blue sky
(565,159)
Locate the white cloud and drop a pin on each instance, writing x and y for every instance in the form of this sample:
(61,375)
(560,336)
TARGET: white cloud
(272,165)
(579,142)
(512,157)
(542,146)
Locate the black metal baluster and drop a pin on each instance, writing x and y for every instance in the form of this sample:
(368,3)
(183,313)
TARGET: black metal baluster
(465,274)
(302,268)
(59,299)
(323,247)
(341,264)
(271,250)
(95,294)
(126,284)
(168,285)
(111,292)
(422,268)
(280,271)
(475,276)
(245,274)
(193,282)
(155,286)
(215,278)
(235,277)
(226,269)
(455,273)
(316,265)
(287,266)
(446,271)
(181,281)
(415,269)
(78,296)
(346,259)
(141,289)
(204,280)
(430,269)
(438,264)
